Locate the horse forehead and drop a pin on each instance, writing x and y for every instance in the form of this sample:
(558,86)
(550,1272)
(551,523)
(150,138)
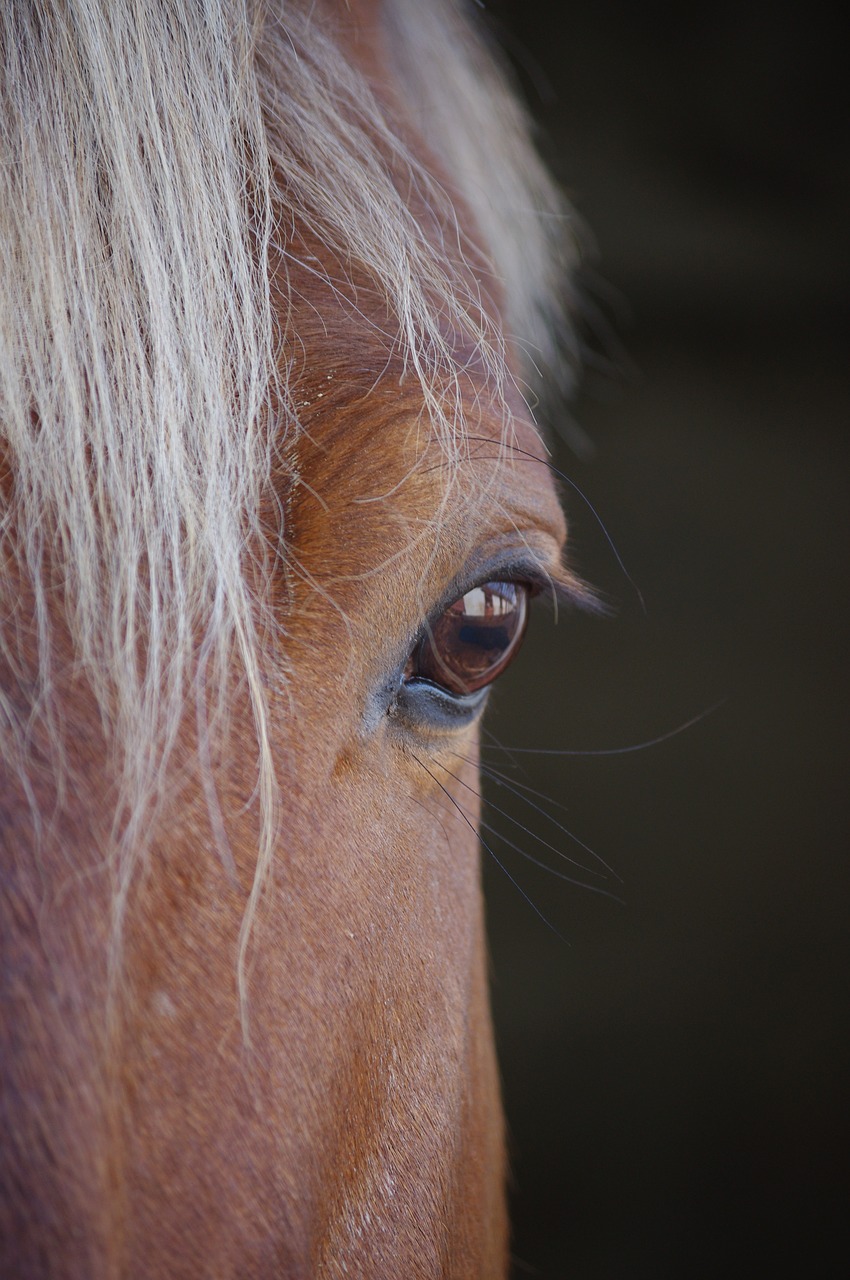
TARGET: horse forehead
(367,452)
(368,465)
(529,481)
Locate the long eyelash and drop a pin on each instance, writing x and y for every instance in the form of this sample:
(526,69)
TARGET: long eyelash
(484,843)
(518,789)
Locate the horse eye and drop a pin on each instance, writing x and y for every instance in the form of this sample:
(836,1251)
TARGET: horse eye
(473,640)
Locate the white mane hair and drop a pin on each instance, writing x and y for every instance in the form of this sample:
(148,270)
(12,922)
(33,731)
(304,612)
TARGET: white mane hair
(155,155)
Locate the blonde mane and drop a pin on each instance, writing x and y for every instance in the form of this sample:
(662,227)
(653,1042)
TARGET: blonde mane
(155,157)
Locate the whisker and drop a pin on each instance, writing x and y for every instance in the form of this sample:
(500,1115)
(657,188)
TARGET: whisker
(497,861)
(613,751)
(527,830)
(496,743)
(502,780)
(562,875)
(517,789)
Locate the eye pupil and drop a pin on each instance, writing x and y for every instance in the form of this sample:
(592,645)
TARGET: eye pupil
(474,639)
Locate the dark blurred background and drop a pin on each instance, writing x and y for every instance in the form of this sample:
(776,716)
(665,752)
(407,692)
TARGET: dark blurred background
(675,1064)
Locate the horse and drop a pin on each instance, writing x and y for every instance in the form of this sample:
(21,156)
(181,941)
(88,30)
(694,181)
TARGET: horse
(280,285)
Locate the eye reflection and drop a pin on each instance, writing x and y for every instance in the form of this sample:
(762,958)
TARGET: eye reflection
(474,639)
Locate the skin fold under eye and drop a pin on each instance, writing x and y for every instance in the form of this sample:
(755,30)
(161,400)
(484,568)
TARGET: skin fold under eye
(473,640)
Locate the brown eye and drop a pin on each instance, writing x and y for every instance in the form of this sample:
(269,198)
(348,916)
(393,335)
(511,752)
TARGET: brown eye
(474,639)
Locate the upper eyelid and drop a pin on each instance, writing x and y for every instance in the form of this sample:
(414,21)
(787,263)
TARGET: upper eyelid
(561,585)
(468,580)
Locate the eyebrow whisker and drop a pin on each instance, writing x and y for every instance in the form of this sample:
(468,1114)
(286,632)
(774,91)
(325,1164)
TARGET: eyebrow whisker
(525,453)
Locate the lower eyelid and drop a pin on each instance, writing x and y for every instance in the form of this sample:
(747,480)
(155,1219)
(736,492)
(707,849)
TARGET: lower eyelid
(422,705)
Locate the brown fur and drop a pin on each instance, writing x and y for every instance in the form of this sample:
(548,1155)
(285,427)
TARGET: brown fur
(351,1126)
